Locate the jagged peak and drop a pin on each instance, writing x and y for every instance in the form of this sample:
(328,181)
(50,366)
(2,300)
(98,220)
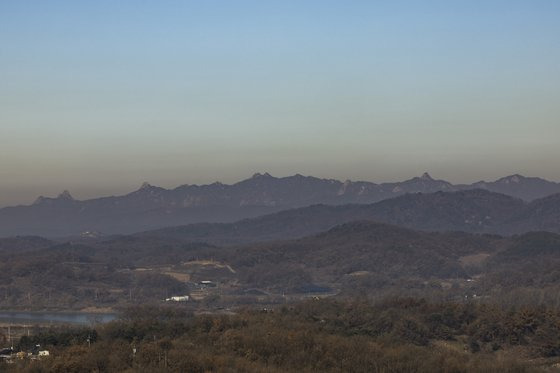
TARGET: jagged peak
(426,176)
(65,195)
(259,175)
(145,185)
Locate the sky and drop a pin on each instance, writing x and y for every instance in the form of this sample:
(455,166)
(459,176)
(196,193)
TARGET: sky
(99,96)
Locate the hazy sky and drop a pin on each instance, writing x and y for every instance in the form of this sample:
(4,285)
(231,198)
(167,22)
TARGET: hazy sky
(98,96)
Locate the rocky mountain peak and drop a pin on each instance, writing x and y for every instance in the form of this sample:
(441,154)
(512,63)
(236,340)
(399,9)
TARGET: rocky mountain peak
(426,176)
(65,195)
(258,175)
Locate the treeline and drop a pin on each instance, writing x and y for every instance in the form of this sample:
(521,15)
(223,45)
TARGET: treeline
(399,335)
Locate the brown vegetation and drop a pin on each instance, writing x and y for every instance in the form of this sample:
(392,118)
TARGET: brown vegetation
(402,335)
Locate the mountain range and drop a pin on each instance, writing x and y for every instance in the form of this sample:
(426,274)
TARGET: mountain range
(152,207)
(475,211)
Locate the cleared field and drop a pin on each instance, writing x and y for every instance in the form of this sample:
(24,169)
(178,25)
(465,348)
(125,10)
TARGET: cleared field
(179,276)
(474,260)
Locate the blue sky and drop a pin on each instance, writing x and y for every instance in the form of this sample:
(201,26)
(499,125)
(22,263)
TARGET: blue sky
(98,96)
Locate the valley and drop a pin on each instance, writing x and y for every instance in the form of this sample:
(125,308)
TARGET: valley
(469,278)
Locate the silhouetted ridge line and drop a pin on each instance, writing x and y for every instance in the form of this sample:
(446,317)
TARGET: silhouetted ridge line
(152,207)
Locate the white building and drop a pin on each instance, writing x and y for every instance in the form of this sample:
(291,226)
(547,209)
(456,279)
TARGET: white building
(178,298)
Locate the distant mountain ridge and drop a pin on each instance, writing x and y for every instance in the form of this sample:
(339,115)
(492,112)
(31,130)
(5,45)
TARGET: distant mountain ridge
(152,207)
(526,188)
(476,211)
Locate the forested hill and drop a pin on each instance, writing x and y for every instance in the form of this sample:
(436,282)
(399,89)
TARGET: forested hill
(348,259)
